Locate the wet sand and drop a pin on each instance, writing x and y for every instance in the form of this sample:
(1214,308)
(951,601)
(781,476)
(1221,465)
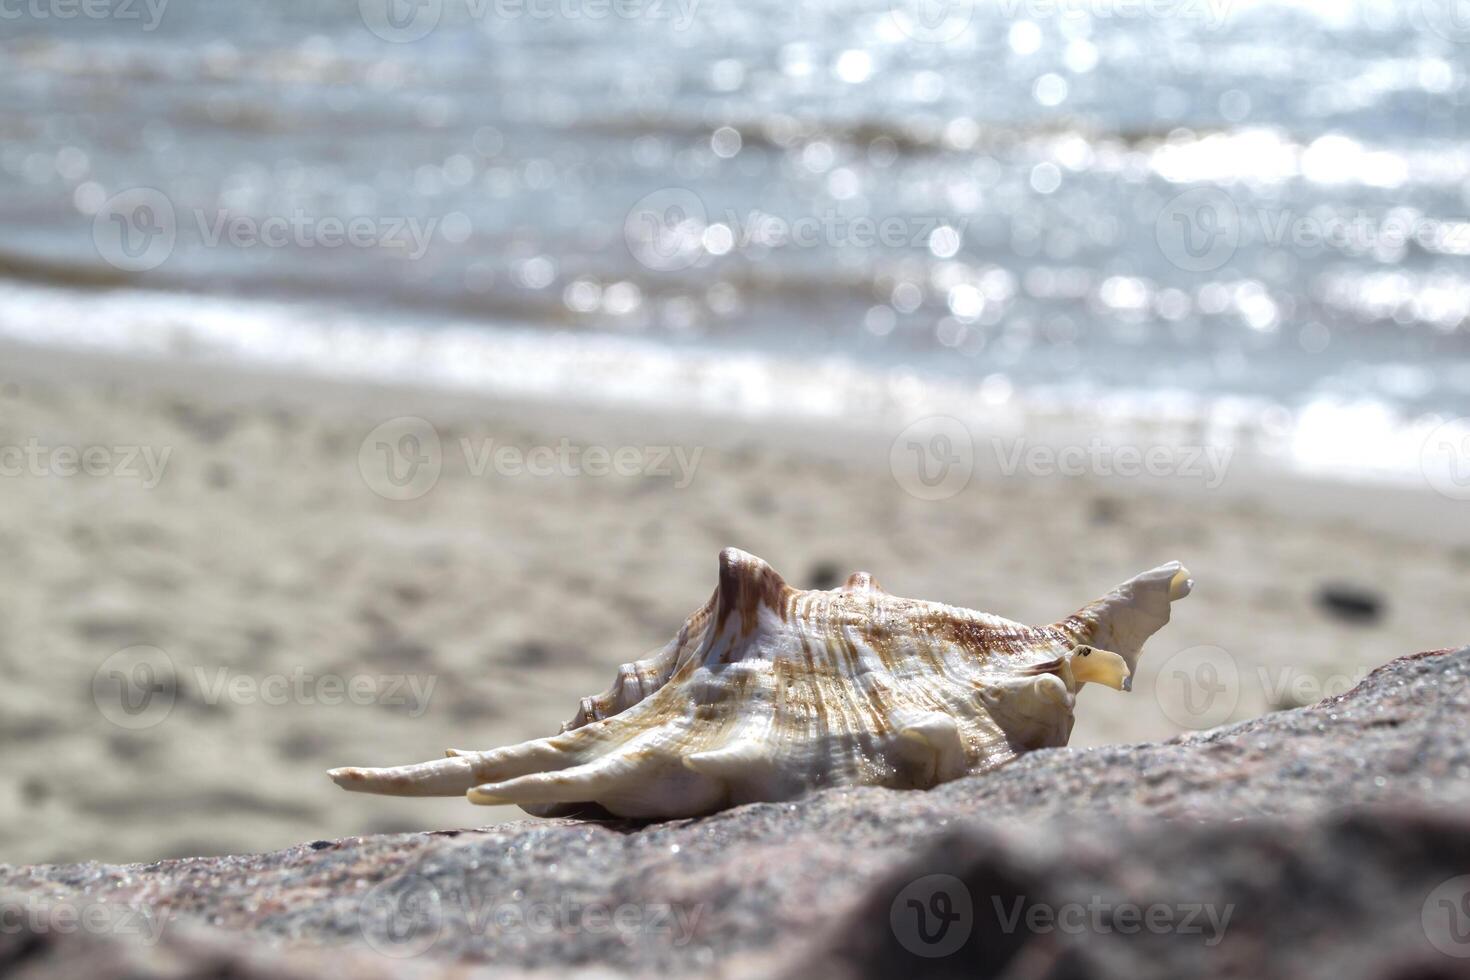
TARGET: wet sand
(307,621)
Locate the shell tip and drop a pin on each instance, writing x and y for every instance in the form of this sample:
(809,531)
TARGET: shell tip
(482,798)
(346,776)
(1180,585)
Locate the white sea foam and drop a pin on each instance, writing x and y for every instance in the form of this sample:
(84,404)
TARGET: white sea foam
(1329,436)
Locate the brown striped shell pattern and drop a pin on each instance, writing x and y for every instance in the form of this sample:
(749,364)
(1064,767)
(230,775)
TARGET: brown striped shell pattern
(770,692)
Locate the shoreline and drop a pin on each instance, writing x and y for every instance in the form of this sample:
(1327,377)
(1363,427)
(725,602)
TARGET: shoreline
(1247,477)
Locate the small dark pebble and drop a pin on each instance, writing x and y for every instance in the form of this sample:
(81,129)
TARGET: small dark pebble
(320,845)
(760,502)
(34,791)
(219,476)
(208,426)
(301,744)
(410,594)
(472,707)
(395,651)
(528,653)
(1350,603)
(1104,510)
(128,747)
(824,575)
(541,653)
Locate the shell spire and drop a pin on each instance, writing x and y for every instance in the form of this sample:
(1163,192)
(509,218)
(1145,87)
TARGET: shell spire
(768,692)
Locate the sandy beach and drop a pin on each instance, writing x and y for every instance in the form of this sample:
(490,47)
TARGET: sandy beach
(234,524)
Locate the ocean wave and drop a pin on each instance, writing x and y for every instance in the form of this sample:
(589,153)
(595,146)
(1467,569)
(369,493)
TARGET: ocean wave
(1329,436)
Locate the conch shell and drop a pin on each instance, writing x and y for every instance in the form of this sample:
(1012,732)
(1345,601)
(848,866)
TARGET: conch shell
(770,692)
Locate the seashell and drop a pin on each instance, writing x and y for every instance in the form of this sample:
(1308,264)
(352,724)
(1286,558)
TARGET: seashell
(770,692)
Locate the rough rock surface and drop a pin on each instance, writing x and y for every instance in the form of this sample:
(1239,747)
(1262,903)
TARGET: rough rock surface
(1321,842)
